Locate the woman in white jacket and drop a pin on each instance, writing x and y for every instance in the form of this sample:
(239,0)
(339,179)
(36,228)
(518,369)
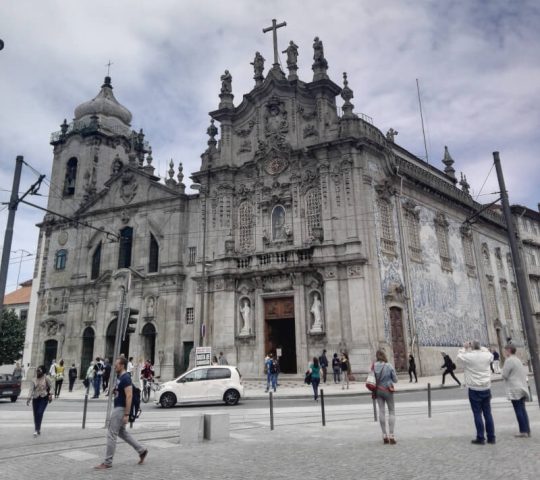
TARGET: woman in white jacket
(515,381)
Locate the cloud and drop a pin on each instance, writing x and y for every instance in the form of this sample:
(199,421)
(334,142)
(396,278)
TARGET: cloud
(474,59)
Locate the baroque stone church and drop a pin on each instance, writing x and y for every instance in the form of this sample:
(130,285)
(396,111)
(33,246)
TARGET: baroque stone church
(309,229)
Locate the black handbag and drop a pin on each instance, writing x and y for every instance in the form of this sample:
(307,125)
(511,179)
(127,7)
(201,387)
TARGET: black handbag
(307,378)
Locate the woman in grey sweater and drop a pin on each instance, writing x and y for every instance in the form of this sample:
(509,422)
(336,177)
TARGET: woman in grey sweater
(385,377)
(515,380)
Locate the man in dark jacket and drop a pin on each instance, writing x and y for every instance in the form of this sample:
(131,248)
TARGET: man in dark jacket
(323,362)
(106,375)
(72,376)
(449,367)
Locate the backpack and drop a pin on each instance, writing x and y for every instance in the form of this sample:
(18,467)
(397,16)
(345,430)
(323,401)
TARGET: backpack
(273,367)
(135,411)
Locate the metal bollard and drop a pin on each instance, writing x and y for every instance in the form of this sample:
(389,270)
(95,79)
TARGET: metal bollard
(322,409)
(429,399)
(530,392)
(271,410)
(374,409)
(85,407)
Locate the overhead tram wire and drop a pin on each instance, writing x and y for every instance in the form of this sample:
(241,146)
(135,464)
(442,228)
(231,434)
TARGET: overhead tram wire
(483,184)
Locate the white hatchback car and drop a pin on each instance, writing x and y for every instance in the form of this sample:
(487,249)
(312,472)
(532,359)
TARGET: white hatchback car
(216,383)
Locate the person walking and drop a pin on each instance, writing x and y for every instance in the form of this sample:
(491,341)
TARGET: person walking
(385,378)
(496,364)
(123,394)
(40,395)
(476,361)
(345,370)
(315,370)
(222,360)
(130,366)
(323,362)
(412,369)
(98,373)
(449,367)
(52,369)
(72,376)
(336,368)
(271,373)
(17,372)
(515,382)
(59,378)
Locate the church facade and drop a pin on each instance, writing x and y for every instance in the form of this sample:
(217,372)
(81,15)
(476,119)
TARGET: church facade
(310,230)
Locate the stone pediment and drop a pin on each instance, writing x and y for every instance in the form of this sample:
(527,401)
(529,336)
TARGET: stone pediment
(128,187)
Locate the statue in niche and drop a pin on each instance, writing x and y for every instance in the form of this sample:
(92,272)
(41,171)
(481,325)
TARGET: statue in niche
(226,82)
(292,54)
(278,223)
(258,64)
(316,309)
(245,313)
(150,306)
(91,311)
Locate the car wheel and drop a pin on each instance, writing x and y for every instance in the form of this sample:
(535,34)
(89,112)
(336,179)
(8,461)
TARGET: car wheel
(168,400)
(231,397)
(13,399)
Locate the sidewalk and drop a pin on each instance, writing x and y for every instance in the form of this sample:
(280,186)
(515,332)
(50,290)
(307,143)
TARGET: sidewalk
(296,388)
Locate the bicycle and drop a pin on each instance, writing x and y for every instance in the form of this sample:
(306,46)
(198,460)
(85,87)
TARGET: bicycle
(148,387)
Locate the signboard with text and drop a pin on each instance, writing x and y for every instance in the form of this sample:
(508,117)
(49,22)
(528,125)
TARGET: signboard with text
(203,356)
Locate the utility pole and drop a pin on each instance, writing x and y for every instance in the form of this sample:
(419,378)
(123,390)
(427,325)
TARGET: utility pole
(8,235)
(521,279)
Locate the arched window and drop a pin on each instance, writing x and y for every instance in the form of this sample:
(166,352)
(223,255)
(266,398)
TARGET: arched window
(153,263)
(110,337)
(126,242)
(149,342)
(87,350)
(388,242)
(245,226)
(313,212)
(60,259)
(71,177)
(278,223)
(441,231)
(96,262)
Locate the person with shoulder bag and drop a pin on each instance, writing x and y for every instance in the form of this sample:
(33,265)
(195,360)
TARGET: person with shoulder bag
(345,370)
(315,371)
(385,378)
(40,395)
(59,379)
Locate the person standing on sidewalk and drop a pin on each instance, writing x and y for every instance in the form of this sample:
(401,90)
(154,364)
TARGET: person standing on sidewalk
(17,372)
(336,368)
(222,360)
(315,369)
(449,367)
(412,369)
(270,367)
(98,373)
(130,366)
(323,362)
(106,375)
(40,394)
(72,376)
(123,394)
(59,378)
(496,364)
(345,370)
(515,382)
(385,377)
(478,380)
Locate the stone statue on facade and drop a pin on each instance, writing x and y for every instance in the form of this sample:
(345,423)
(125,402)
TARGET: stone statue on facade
(292,58)
(245,311)
(150,305)
(258,67)
(226,82)
(316,308)
(391,134)
(320,65)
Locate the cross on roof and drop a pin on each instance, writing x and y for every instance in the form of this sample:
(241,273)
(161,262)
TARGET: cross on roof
(108,65)
(274,28)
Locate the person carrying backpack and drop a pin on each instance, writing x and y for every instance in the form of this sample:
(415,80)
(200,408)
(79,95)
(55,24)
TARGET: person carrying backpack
(449,367)
(120,416)
(98,374)
(271,369)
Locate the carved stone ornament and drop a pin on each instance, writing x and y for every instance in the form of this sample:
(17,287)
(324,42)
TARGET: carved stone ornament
(440,219)
(51,327)
(275,165)
(277,283)
(128,188)
(396,293)
(385,190)
(63,237)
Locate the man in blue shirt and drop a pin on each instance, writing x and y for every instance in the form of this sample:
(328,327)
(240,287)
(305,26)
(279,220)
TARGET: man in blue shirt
(120,416)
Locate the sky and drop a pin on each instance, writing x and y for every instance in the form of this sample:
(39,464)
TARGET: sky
(476,61)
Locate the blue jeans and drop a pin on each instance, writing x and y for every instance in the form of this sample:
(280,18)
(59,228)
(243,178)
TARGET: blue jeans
(97,385)
(271,379)
(38,406)
(521,415)
(480,401)
(315,384)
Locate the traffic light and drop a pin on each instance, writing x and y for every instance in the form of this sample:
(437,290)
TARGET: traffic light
(131,320)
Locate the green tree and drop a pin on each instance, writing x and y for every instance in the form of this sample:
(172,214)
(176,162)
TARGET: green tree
(12,330)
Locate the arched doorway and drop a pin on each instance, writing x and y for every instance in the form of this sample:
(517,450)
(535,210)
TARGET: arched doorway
(149,342)
(109,342)
(87,350)
(51,348)
(398,339)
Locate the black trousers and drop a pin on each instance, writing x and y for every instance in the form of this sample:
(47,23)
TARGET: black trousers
(412,371)
(105,383)
(451,373)
(58,387)
(71,383)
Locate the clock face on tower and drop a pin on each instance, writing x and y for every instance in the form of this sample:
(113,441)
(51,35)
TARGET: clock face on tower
(275,165)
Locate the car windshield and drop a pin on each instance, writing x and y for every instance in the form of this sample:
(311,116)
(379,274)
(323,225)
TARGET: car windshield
(194,376)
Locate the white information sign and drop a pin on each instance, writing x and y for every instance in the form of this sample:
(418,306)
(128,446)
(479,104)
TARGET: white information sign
(203,356)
